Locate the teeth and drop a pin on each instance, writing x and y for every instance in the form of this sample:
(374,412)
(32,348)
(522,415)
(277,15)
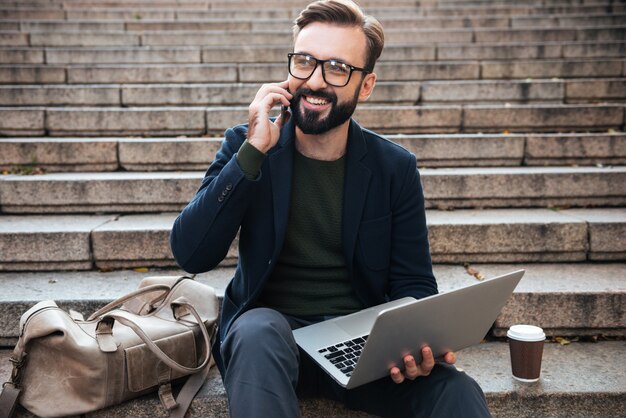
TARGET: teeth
(316,101)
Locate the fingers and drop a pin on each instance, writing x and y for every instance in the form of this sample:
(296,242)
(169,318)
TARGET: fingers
(396,375)
(449,357)
(428,361)
(262,133)
(272,94)
(412,370)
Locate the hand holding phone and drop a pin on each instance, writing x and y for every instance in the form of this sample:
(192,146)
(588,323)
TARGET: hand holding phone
(263,133)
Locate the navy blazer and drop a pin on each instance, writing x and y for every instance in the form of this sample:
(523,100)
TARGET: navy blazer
(385,239)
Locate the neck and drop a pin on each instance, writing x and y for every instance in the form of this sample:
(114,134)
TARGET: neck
(329,146)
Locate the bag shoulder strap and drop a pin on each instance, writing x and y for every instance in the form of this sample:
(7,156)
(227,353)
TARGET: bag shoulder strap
(189,391)
(8,399)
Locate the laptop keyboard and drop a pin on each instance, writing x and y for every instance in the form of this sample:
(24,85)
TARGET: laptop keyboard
(345,355)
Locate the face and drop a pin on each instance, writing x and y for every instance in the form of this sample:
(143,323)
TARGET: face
(318,107)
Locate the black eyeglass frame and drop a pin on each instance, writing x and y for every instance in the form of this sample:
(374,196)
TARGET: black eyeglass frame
(318,62)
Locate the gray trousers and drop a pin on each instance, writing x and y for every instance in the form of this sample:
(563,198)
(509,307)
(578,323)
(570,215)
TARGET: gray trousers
(265,373)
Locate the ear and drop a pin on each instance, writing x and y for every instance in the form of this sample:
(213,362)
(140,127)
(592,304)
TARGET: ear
(367,86)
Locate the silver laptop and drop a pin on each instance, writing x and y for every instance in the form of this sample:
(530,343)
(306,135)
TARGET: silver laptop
(362,347)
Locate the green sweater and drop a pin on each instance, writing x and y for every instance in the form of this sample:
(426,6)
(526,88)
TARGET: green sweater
(310,277)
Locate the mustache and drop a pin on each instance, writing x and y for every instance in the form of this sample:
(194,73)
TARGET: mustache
(304,91)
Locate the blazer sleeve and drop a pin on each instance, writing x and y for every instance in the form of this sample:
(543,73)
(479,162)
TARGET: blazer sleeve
(204,230)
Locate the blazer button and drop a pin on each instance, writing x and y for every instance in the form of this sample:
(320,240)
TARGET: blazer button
(220,199)
(229,187)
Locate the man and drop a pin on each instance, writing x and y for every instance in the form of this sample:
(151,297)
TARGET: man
(330,219)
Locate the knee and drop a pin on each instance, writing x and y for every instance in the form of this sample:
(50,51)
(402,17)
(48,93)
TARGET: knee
(259,330)
(464,390)
(257,324)
(457,381)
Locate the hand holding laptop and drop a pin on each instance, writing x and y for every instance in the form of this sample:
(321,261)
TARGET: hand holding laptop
(412,370)
(381,340)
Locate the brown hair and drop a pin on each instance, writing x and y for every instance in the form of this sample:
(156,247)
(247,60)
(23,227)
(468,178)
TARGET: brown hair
(345,13)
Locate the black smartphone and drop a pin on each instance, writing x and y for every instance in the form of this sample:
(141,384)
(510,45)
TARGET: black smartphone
(284,112)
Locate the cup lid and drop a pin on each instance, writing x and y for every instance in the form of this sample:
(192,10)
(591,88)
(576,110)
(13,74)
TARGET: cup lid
(526,333)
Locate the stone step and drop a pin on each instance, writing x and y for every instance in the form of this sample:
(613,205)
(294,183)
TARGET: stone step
(277,53)
(570,91)
(24,155)
(212,4)
(193,5)
(38,14)
(82,291)
(243,19)
(196,121)
(570,68)
(452,119)
(80,242)
(593,388)
(250,73)
(253,21)
(155,13)
(391,18)
(224,37)
(444,188)
(570,20)
(35,26)
(139,14)
(392,92)
(456,10)
(296,3)
(192,94)
(14,39)
(593,293)
(170,10)
(527,2)
(516,10)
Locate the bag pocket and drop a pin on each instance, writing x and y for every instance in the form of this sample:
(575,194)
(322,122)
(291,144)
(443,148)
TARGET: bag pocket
(142,365)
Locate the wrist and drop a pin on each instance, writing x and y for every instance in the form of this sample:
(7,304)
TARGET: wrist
(260,146)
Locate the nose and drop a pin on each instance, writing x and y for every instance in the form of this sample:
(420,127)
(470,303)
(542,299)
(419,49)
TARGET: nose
(316,81)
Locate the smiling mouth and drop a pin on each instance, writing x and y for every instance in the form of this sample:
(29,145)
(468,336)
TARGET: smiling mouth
(316,100)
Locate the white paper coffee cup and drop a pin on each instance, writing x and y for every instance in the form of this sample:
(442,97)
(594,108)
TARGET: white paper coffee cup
(526,348)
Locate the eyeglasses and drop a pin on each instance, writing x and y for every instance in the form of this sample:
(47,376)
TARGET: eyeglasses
(334,72)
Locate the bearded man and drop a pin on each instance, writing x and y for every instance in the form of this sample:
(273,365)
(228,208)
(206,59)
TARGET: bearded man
(331,220)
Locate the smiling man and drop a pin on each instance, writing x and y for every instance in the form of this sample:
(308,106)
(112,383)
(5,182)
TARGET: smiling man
(331,220)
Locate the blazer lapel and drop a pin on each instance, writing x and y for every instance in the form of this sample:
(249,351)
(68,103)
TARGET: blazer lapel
(355,190)
(281,167)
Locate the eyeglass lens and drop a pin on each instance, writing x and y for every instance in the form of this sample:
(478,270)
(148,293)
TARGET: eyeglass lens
(335,73)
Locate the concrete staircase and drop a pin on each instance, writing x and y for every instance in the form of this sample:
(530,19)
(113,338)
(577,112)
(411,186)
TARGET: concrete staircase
(110,111)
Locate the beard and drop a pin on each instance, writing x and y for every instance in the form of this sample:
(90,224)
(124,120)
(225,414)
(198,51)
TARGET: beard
(311,122)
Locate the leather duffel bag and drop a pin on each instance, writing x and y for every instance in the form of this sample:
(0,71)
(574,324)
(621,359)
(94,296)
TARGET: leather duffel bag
(163,331)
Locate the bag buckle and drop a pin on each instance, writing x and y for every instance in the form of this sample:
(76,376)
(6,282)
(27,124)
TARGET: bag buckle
(17,363)
(16,373)
(164,375)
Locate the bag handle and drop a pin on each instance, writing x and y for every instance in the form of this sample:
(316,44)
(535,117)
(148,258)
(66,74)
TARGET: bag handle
(104,335)
(132,295)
